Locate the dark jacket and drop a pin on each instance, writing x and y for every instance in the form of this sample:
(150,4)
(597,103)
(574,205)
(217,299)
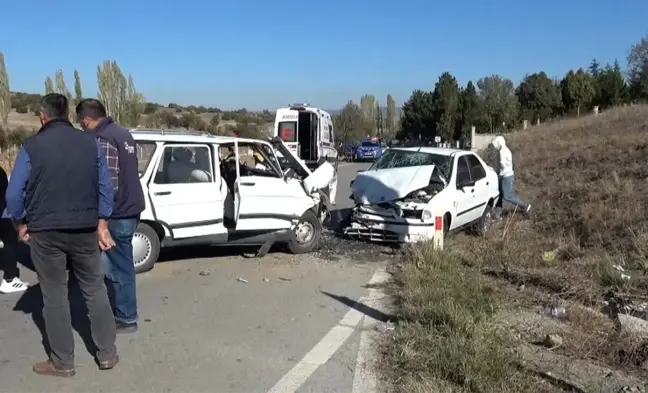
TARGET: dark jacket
(60,180)
(129,199)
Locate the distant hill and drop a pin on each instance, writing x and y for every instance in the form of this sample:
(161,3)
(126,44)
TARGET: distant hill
(382,108)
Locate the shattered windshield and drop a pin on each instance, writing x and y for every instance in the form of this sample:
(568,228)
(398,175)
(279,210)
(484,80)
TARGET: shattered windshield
(394,158)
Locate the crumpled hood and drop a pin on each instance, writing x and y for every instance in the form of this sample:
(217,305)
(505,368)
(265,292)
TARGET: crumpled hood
(384,185)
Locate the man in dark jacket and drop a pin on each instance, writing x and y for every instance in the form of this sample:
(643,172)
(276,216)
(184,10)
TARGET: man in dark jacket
(121,155)
(11,281)
(60,198)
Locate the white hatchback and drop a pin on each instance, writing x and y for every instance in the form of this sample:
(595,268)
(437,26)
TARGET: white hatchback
(203,189)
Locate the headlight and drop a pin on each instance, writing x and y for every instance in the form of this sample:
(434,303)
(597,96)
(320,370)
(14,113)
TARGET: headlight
(427,215)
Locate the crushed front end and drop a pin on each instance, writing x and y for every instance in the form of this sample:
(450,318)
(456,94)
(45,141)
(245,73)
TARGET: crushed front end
(408,220)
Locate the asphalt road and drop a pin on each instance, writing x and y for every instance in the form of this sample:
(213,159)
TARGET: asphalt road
(217,322)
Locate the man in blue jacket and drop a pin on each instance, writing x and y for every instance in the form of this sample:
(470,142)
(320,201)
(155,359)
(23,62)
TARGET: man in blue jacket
(60,199)
(121,155)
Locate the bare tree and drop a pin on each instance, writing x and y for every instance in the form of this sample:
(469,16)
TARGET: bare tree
(5,97)
(49,85)
(122,101)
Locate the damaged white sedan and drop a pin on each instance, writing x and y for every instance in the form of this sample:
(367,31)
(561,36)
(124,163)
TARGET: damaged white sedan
(398,198)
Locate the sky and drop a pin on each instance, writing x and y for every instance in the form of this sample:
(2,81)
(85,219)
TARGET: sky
(262,54)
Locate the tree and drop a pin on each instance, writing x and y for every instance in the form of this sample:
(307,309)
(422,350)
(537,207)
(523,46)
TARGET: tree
(445,99)
(368,108)
(49,85)
(468,111)
(61,86)
(637,59)
(379,120)
(390,121)
(5,97)
(499,103)
(538,96)
(78,93)
(640,84)
(349,123)
(594,68)
(612,87)
(577,90)
(417,117)
(122,101)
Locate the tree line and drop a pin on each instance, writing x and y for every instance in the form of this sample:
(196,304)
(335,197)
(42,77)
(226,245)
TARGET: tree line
(495,104)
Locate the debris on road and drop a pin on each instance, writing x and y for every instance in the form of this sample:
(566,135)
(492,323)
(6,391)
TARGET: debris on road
(239,279)
(266,279)
(205,272)
(285,279)
(385,327)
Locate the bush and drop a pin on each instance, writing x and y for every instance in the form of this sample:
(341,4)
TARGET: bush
(22,109)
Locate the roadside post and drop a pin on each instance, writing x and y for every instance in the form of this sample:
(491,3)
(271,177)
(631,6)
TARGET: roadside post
(438,232)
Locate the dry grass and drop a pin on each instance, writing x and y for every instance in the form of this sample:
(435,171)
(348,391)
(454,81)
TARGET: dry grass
(587,181)
(8,157)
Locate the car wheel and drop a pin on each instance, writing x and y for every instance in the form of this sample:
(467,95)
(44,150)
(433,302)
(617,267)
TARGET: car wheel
(146,248)
(484,223)
(307,234)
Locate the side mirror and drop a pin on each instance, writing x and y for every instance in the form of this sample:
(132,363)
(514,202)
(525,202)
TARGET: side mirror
(466,183)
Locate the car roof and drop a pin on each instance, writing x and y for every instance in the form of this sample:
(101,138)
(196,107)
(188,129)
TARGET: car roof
(443,151)
(184,136)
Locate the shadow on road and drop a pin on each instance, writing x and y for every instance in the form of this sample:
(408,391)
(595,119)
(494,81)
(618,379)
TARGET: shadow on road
(363,308)
(31,302)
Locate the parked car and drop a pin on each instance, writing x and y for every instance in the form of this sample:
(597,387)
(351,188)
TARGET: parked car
(213,190)
(368,150)
(398,197)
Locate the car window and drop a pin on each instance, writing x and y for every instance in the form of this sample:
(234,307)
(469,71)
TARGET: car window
(477,171)
(185,164)
(463,173)
(145,151)
(369,144)
(288,131)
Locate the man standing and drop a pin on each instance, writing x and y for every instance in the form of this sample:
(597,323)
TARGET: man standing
(11,281)
(121,155)
(60,198)
(506,179)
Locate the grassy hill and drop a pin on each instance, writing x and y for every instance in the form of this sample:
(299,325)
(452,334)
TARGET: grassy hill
(475,317)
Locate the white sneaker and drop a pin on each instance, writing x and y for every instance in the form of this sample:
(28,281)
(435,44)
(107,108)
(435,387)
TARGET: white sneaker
(15,285)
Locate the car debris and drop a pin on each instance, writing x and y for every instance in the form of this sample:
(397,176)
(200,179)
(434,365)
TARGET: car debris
(398,198)
(239,279)
(205,272)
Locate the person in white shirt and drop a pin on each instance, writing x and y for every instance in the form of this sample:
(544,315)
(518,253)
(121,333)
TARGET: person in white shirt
(506,179)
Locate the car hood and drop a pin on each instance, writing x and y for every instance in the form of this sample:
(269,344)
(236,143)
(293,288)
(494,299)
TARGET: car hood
(384,185)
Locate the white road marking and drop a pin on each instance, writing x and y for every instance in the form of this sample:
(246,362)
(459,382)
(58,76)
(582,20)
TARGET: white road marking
(364,378)
(324,350)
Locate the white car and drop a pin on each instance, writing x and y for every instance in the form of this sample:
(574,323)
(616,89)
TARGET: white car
(399,196)
(203,189)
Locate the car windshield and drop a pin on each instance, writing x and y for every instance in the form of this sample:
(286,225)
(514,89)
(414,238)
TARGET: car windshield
(394,158)
(369,144)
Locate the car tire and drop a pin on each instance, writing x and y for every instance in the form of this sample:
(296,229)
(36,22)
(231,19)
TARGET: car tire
(307,234)
(485,221)
(146,248)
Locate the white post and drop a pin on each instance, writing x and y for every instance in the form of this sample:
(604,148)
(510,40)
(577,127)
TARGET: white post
(457,144)
(438,231)
(525,124)
(472,137)
(596,110)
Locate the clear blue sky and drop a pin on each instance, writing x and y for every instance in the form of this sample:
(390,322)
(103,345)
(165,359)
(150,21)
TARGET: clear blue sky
(268,53)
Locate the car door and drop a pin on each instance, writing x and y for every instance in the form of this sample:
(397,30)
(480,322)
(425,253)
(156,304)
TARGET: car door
(482,183)
(263,199)
(184,192)
(465,194)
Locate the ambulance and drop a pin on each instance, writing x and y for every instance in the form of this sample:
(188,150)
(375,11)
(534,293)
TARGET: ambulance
(308,133)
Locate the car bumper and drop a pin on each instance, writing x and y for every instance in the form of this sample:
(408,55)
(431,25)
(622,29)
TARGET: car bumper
(381,229)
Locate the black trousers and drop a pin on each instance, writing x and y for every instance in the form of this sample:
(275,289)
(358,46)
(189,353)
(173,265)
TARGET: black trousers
(51,251)
(9,253)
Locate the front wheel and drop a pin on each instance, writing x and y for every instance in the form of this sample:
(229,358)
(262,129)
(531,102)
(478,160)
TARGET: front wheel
(146,248)
(307,234)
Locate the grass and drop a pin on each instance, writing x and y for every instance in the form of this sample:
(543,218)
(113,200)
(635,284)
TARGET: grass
(587,181)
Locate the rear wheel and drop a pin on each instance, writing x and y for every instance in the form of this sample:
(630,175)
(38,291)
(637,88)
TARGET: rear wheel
(146,248)
(484,223)
(307,234)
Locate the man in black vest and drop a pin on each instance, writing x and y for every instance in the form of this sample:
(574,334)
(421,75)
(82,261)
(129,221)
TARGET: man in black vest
(121,155)
(60,199)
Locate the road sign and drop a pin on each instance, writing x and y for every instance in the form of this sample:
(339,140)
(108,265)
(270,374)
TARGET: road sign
(437,139)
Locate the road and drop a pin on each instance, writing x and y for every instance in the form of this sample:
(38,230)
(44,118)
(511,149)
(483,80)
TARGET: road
(217,322)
